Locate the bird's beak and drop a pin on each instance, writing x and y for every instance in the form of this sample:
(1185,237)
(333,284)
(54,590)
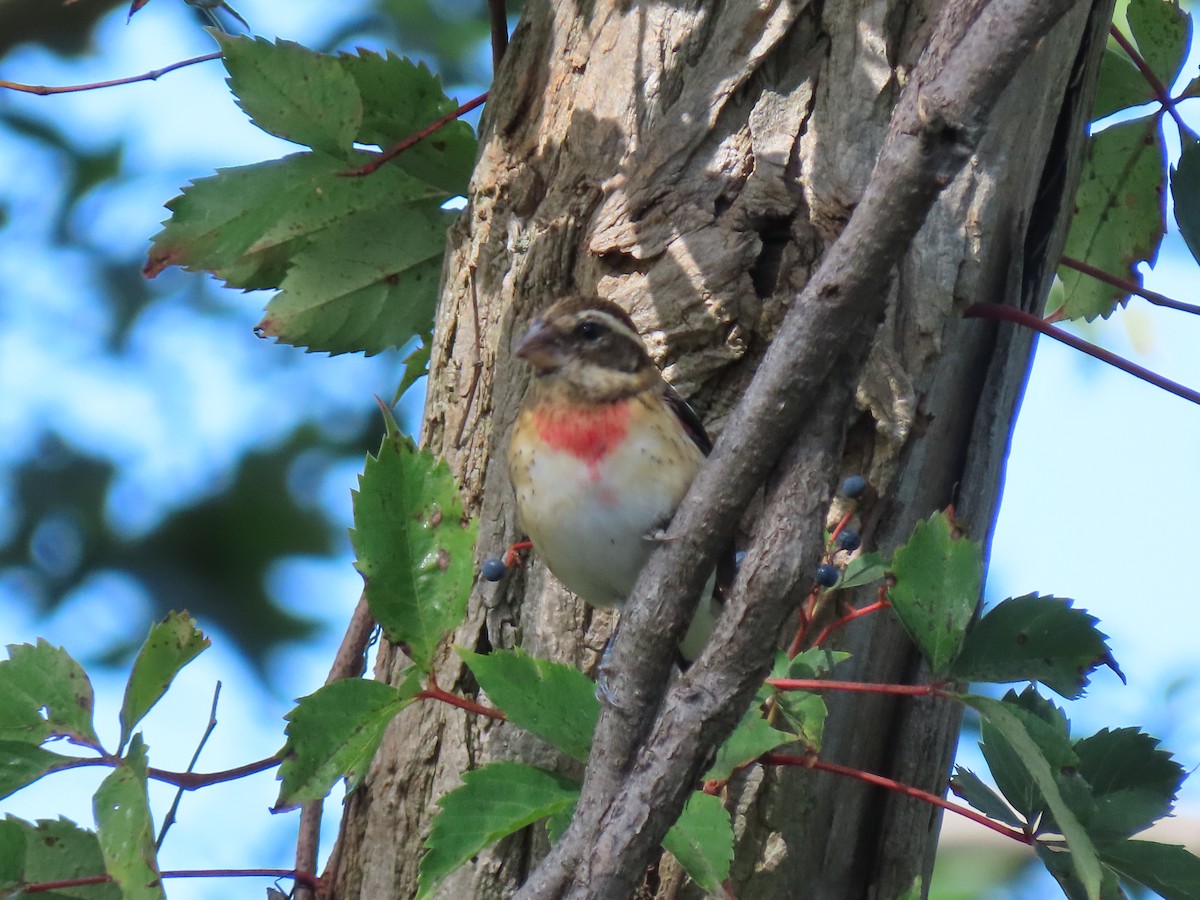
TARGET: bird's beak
(540,347)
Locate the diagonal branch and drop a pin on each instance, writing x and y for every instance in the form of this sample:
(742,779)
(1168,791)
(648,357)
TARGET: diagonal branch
(648,746)
(153,75)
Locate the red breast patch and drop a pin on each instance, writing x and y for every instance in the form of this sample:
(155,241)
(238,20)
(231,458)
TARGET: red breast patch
(587,433)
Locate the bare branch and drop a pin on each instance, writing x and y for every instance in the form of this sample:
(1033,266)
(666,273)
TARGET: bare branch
(152,75)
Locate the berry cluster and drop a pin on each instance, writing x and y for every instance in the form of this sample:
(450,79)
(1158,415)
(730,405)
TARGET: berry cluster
(844,537)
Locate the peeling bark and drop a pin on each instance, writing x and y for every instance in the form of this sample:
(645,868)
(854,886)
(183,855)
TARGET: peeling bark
(694,162)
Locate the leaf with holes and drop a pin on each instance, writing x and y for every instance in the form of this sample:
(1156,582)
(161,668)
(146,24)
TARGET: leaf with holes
(44,693)
(125,829)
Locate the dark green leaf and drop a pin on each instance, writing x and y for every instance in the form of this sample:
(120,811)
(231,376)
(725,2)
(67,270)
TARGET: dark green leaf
(44,693)
(1170,871)
(1120,215)
(414,544)
(1185,191)
(805,714)
(1029,738)
(863,569)
(1162,32)
(1033,638)
(333,733)
(753,737)
(1059,863)
(57,850)
(1133,781)
(416,367)
(23,763)
(556,702)
(12,854)
(493,802)
(938,580)
(968,786)
(294,93)
(702,841)
(172,644)
(1121,85)
(125,829)
(557,822)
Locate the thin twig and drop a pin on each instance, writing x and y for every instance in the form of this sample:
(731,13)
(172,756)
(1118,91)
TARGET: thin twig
(848,618)
(1130,287)
(152,75)
(188,781)
(1161,92)
(856,687)
(42,887)
(1009,314)
(809,762)
(433,692)
(499,19)
(169,818)
(396,149)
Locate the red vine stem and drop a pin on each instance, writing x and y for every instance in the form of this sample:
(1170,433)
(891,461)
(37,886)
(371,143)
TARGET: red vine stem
(152,75)
(1009,314)
(848,618)
(1161,93)
(811,762)
(396,149)
(188,781)
(858,687)
(433,692)
(1128,286)
(304,878)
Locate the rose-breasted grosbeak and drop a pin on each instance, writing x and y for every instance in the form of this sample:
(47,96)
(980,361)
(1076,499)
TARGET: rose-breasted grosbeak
(601,454)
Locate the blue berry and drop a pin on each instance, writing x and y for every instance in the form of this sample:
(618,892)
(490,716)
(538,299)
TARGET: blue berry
(493,568)
(853,486)
(849,539)
(827,575)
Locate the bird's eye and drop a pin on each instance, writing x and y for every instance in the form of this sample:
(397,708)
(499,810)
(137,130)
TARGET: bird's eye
(590,331)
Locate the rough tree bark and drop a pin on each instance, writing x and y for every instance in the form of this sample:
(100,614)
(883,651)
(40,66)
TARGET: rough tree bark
(695,161)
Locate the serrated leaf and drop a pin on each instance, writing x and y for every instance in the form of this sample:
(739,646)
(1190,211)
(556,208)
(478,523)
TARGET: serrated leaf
(753,737)
(811,663)
(1170,871)
(416,367)
(553,701)
(492,803)
(1185,191)
(400,98)
(45,693)
(557,822)
(1162,32)
(414,544)
(968,786)
(1133,782)
(1021,732)
(292,92)
(1120,85)
(702,841)
(1120,215)
(57,850)
(22,763)
(369,284)
(938,581)
(1033,638)
(863,569)
(125,829)
(333,733)
(1060,864)
(805,714)
(172,644)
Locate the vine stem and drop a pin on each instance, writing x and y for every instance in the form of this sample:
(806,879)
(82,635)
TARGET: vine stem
(850,617)
(42,887)
(396,149)
(811,762)
(1001,313)
(43,90)
(1160,90)
(1128,286)
(434,692)
(856,687)
(188,781)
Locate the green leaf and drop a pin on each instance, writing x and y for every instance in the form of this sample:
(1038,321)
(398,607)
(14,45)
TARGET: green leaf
(753,737)
(401,98)
(44,693)
(1162,32)
(968,786)
(292,92)
(1185,191)
(556,702)
(1120,215)
(172,644)
(1170,871)
(333,733)
(1026,735)
(416,367)
(557,822)
(54,850)
(1133,782)
(492,803)
(1120,86)
(863,569)
(1060,863)
(938,580)
(370,283)
(22,763)
(1033,638)
(125,829)
(414,544)
(702,841)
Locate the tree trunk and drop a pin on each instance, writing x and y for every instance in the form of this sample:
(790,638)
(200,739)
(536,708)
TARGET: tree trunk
(692,161)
